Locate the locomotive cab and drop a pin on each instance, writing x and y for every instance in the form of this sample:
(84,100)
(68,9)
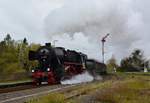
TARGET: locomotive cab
(60,53)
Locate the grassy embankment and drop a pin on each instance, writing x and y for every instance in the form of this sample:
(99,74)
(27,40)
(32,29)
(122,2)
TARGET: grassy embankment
(129,88)
(135,90)
(14,77)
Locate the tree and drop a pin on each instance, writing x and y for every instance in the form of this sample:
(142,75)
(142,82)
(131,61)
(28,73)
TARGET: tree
(14,56)
(8,56)
(135,62)
(25,42)
(112,64)
(23,54)
(8,39)
(2,46)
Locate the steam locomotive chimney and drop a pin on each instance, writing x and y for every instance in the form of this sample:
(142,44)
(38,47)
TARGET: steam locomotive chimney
(48,44)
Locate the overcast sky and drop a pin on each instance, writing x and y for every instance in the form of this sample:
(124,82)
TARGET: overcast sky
(79,24)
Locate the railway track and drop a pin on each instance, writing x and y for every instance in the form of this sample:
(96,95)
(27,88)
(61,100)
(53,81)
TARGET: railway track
(10,87)
(30,92)
(24,95)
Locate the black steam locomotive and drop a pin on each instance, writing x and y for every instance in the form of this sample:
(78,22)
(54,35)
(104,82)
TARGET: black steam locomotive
(57,63)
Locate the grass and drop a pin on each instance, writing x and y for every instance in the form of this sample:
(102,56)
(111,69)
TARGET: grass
(16,77)
(51,98)
(128,91)
(60,97)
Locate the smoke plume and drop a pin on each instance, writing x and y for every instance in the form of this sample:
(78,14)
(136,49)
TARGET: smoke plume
(94,19)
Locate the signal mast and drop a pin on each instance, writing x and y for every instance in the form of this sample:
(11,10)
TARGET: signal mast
(103,44)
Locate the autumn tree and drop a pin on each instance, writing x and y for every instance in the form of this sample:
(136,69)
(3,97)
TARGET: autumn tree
(112,64)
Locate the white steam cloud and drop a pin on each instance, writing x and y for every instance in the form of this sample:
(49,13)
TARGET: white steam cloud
(81,78)
(94,19)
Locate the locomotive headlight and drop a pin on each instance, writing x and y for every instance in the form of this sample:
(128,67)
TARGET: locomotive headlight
(32,71)
(48,69)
